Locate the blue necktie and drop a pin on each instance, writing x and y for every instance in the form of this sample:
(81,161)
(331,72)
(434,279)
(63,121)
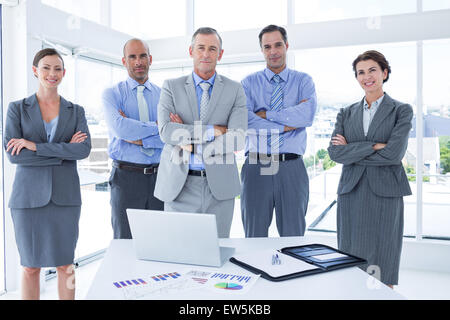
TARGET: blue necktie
(276,103)
(143,115)
(204,99)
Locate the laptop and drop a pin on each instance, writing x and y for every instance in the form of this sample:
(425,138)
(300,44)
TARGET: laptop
(177,237)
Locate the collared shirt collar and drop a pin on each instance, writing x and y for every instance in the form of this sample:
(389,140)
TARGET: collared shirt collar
(134,84)
(197,79)
(283,74)
(374,105)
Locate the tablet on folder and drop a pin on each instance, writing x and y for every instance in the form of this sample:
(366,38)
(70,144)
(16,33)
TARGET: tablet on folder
(297,261)
(177,237)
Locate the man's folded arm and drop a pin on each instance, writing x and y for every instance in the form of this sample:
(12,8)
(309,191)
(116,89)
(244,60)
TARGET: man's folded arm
(177,133)
(123,127)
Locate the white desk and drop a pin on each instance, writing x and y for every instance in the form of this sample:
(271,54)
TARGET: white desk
(350,283)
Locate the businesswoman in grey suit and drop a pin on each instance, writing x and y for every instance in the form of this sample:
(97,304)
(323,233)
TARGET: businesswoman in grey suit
(370,140)
(45,135)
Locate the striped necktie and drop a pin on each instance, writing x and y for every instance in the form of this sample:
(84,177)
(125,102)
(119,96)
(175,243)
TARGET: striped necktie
(276,103)
(143,115)
(204,99)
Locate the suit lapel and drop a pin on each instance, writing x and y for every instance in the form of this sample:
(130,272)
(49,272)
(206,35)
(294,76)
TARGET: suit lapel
(192,97)
(64,114)
(357,120)
(34,114)
(215,96)
(384,109)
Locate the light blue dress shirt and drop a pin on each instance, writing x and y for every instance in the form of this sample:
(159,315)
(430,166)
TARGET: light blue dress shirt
(369,113)
(296,86)
(50,128)
(123,96)
(196,162)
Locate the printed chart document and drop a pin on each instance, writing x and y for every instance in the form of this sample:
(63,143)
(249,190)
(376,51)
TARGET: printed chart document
(183,280)
(262,260)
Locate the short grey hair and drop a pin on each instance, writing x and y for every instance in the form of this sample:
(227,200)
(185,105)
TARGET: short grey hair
(136,39)
(206,30)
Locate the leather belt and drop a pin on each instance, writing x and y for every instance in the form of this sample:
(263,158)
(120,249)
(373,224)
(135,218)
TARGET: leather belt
(275,157)
(200,173)
(145,170)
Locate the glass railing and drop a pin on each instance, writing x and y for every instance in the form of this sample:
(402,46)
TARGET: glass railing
(435,200)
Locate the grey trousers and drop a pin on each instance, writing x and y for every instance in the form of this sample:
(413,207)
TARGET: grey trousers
(287,191)
(196,197)
(130,189)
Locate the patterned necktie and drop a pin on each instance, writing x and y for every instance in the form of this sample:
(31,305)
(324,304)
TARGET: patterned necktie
(143,115)
(276,103)
(204,100)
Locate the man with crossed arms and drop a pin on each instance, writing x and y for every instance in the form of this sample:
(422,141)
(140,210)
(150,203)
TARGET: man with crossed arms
(202,120)
(281,103)
(135,147)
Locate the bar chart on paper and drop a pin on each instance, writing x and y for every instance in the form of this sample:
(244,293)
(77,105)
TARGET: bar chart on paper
(232,283)
(153,285)
(174,282)
(231,277)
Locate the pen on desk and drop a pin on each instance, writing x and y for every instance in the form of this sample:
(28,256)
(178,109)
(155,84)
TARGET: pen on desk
(276,259)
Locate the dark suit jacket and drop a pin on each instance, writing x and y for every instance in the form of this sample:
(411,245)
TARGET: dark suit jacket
(49,173)
(391,125)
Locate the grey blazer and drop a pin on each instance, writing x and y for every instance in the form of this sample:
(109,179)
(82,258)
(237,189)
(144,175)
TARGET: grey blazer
(49,173)
(227,107)
(391,125)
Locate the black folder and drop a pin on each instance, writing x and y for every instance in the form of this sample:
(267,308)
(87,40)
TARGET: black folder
(310,254)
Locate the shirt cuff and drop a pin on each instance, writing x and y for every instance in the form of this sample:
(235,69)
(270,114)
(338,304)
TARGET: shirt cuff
(152,142)
(271,115)
(210,133)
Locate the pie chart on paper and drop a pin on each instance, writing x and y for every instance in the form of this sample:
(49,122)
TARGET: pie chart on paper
(228,286)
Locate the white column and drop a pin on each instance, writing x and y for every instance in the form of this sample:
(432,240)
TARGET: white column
(190,23)
(105,12)
(16,66)
(290,21)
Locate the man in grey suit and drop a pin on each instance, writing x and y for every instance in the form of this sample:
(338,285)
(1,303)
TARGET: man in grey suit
(202,120)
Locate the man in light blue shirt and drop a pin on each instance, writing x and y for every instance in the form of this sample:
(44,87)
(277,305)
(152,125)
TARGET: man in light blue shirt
(281,103)
(130,110)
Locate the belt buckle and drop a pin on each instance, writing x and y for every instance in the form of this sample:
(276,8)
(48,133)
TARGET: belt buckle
(275,157)
(202,173)
(149,170)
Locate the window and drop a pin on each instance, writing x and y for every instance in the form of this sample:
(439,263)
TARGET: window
(336,87)
(435,4)
(87,9)
(328,10)
(84,83)
(149,19)
(436,146)
(159,75)
(238,71)
(236,14)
